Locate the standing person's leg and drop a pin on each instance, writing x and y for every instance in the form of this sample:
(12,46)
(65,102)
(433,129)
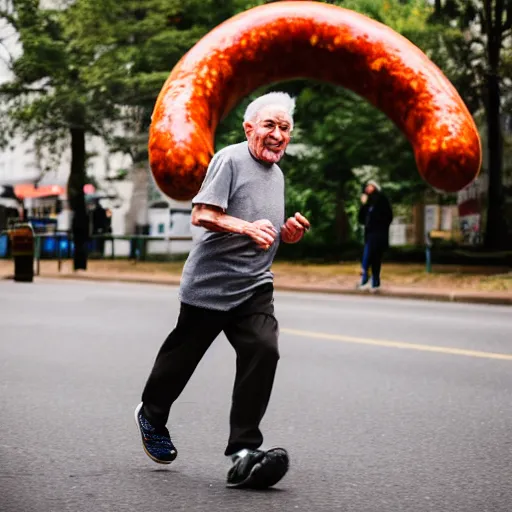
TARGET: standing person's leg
(175,363)
(377,255)
(365,265)
(253,333)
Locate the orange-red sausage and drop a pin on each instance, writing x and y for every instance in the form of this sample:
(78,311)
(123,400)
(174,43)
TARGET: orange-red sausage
(302,39)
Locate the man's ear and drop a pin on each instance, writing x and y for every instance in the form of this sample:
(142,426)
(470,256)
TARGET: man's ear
(248,128)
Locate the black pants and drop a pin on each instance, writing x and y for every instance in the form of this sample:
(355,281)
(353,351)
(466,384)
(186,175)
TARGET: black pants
(252,330)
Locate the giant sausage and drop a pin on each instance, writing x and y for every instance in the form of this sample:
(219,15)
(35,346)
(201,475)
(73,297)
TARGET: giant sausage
(303,39)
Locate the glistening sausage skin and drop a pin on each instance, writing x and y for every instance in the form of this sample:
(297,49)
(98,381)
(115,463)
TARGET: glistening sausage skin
(301,39)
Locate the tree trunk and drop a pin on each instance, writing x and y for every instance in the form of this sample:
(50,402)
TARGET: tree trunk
(495,229)
(437,8)
(495,226)
(76,196)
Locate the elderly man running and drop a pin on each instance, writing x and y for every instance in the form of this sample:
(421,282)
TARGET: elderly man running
(227,286)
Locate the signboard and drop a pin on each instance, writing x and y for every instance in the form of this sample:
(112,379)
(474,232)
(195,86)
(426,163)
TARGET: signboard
(471,206)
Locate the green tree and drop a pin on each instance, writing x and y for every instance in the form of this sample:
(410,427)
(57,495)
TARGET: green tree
(495,18)
(91,65)
(487,27)
(51,100)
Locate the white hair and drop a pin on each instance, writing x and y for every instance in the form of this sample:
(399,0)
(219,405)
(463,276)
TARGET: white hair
(280,100)
(374,183)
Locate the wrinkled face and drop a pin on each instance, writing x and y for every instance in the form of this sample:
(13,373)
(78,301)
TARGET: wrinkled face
(269,134)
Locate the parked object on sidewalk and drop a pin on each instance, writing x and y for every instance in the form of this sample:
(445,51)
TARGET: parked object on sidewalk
(23,251)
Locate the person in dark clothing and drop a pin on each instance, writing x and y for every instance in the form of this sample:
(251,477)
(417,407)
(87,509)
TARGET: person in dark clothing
(376,215)
(99,225)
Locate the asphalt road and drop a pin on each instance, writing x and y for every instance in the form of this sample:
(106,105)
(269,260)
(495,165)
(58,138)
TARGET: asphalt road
(385,405)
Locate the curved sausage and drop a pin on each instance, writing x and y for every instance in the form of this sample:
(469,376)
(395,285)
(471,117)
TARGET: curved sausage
(303,39)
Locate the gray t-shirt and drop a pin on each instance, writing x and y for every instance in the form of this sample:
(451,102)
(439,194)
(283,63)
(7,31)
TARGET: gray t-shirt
(223,269)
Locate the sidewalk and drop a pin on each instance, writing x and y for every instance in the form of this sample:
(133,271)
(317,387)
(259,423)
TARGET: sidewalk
(300,281)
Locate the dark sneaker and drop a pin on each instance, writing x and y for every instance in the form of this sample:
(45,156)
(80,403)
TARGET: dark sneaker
(257,469)
(156,442)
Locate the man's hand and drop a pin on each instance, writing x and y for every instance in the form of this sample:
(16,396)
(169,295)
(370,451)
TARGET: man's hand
(294,228)
(364,198)
(262,232)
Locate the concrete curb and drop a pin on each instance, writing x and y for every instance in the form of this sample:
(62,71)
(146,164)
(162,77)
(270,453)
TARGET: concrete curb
(408,294)
(420,294)
(168,280)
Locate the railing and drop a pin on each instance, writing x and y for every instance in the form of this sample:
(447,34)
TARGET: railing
(137,248)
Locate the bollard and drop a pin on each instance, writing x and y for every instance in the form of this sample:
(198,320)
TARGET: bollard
(428,253)
(22,246)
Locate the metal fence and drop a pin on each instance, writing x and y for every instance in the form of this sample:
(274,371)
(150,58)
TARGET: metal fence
(58,246)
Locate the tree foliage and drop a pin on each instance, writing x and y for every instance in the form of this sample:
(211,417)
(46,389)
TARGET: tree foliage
(97,67)
(86,66)
(487,29)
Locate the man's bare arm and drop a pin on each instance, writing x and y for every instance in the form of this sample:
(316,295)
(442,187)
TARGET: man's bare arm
(215,219)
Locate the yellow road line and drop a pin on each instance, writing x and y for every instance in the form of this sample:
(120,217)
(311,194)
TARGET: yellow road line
(398,344)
